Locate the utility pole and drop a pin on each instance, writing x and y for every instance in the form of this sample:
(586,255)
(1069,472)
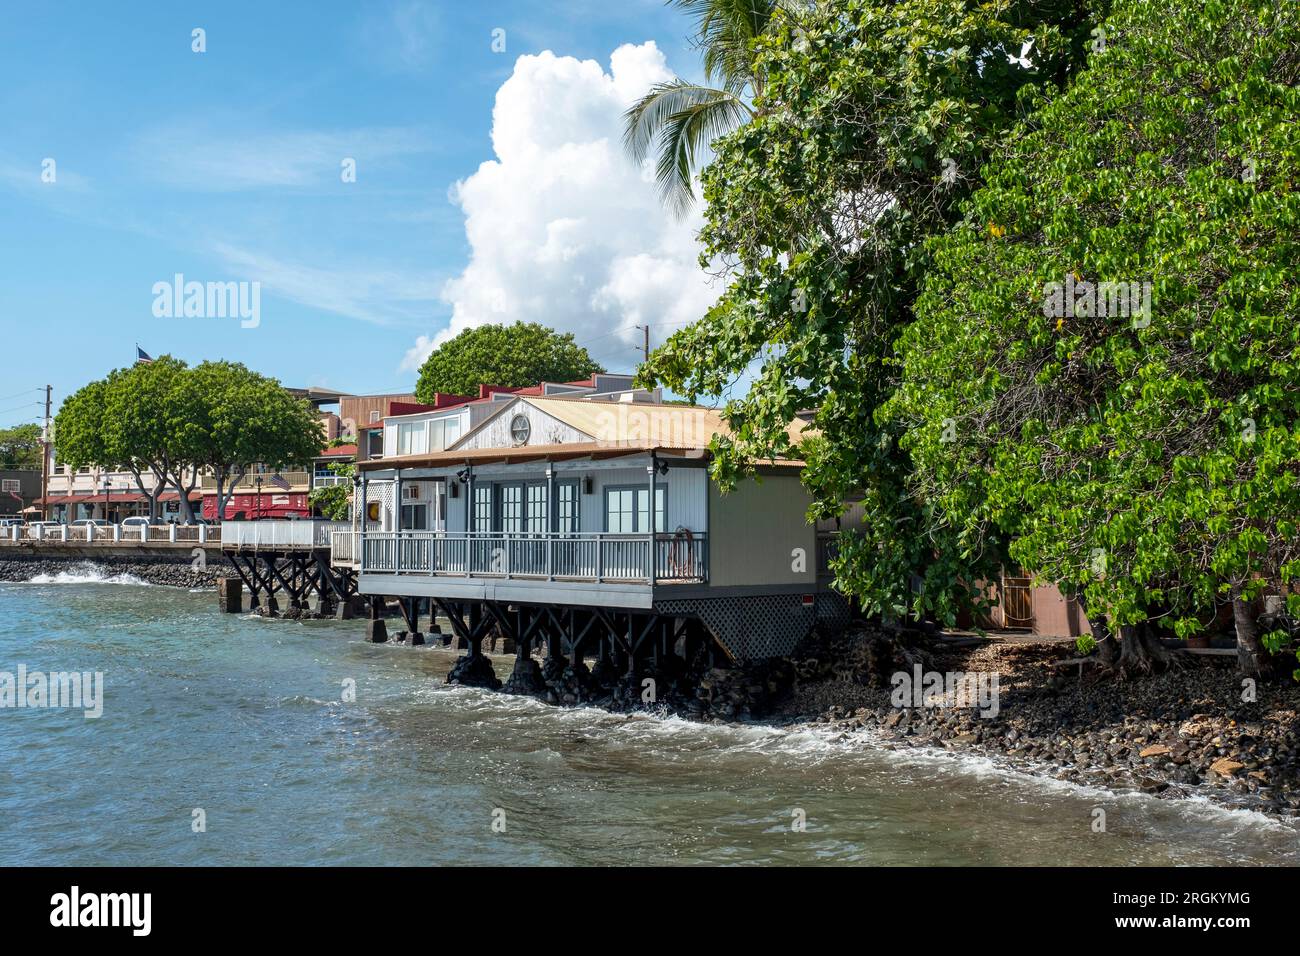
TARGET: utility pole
(45,460)
(646,347)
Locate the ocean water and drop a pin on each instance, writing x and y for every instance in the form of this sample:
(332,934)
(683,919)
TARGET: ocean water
(245,720)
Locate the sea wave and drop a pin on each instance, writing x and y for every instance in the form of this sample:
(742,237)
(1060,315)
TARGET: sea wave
(87,573)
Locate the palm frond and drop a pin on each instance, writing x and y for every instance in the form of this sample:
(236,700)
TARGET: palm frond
(683,136)
(724,31)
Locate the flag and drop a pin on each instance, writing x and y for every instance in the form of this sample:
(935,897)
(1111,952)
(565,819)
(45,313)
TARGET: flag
(278,482)
(142,357)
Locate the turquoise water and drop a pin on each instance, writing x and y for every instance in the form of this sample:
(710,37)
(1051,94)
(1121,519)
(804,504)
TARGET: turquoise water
(245,719)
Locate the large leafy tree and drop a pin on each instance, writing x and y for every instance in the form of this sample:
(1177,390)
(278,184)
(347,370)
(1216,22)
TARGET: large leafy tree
(872,125)
(676,121)
(242,419)
(1149,460)
(166,420)
(20,446)
(512,356)
(124,422)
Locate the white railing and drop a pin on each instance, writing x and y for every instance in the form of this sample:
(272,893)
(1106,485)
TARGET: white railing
(111,534)
(304,534)
(345,546)
(596,557)
(324,481)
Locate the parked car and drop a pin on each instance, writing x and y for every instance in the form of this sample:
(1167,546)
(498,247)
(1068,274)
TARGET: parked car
(45,526)
(12,522)
(97,522)
(135,521)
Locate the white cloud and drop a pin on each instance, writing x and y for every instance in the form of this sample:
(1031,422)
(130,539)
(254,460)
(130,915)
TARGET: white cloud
(563,228)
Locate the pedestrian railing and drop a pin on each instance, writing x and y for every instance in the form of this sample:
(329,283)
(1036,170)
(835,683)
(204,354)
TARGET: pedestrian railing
(82,535)
(587,556)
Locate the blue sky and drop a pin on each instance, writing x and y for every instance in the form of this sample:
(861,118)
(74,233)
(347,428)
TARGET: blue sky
(226,166)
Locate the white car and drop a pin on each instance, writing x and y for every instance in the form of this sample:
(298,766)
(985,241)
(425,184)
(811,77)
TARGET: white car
(135,521)
(97,522)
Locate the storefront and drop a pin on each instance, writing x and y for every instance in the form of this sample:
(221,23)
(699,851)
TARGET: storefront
(268,504)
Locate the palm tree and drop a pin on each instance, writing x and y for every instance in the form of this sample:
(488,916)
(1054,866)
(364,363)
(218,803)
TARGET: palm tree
(677,120)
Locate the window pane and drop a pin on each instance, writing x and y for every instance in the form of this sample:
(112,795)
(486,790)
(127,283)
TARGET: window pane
(512,505)
(567,507)
(482,508)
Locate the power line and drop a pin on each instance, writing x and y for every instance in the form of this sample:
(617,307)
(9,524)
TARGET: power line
(18,408)
(5,398)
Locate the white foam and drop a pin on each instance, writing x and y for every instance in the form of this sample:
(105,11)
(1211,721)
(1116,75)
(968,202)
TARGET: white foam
(87,573)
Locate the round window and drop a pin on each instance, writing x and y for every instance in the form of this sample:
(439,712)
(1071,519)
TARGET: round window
(520,429)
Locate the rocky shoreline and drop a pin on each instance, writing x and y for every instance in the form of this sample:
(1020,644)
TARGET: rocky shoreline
(1183,733)
(179,573)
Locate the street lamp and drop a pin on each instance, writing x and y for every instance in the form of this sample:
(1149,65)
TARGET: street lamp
(108,496)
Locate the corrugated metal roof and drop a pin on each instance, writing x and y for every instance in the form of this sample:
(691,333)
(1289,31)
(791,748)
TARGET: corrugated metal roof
(614,428)
(638,423)
(523,453)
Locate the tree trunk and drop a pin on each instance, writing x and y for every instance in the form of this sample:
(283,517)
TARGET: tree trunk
(1141,652)
(1107,643)
(1252,657)
(220,474)
(1107,648)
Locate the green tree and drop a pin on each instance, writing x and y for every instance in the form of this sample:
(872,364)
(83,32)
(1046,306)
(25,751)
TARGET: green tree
(512,356)
(871,127)
(677,120)
(1148,459)
(20,446)
(333,501)
(243,419)
(124,422)
(168,421)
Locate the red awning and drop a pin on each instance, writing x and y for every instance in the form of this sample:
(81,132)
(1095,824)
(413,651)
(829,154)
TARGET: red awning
(195,495)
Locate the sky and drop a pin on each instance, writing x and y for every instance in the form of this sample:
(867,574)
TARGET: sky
(375,176)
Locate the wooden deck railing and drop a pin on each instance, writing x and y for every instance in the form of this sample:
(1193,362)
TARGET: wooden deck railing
(587,556)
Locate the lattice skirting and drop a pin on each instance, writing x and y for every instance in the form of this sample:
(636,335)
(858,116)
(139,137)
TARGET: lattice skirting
(751,628)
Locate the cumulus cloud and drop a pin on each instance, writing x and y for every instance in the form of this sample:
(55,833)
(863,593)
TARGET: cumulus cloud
(563,228)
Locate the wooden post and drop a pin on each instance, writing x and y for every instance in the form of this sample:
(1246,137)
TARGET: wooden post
(230,595)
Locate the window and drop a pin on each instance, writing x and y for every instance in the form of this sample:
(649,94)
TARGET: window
(412,438)
(625,510)
(535,522)
(374,417)
(620,510)
(520,429)
(511,500)
(566,507)
(482,508)
(10,484)
(415,517)
(453,432)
